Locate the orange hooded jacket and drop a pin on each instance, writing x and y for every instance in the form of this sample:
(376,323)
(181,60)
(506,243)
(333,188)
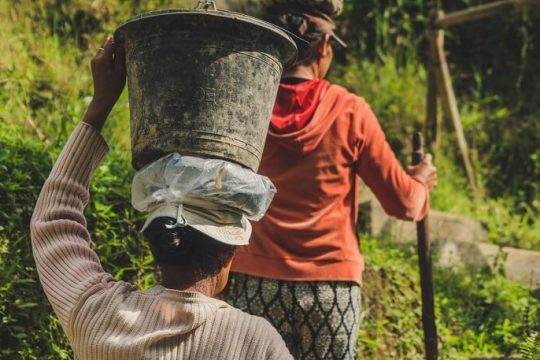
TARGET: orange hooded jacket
(309,231)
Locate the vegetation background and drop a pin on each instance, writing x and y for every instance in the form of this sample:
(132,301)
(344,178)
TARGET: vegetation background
(45,85)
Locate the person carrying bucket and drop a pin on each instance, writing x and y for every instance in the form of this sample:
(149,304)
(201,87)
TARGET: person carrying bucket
(303,268)
(108,319)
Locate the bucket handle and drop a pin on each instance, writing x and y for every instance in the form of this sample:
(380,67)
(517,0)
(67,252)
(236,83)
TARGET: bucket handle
(206,5)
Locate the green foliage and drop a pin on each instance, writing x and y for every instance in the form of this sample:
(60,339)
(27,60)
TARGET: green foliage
(45,80)
(391,308)
(396,94)
(491,312)
(45,86)
(495,56)
(111,220)
(478,311)
(508,224)
(374,28)
(530,348)
(22,306)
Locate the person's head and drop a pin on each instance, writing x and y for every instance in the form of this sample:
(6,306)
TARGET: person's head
(187,256)
(316,29)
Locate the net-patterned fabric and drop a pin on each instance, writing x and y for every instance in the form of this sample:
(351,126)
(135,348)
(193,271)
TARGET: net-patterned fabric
(317,319)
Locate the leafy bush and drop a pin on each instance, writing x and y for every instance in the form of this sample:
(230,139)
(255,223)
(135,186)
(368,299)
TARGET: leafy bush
(479,312)
(495,56)
(530,348)
(45,80)
(113,223)
(44,88)
(396,94)
(22,304)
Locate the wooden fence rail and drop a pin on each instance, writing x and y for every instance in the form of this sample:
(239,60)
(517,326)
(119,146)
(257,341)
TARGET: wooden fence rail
(481,11)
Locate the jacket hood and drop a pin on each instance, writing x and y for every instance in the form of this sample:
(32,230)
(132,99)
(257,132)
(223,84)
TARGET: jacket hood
(304,112)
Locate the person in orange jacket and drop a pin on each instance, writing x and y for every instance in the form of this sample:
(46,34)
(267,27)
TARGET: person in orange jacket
(303,268)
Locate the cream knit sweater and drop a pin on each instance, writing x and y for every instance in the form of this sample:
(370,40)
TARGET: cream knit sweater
(106,319)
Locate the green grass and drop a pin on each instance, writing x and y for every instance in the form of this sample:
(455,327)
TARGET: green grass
(45,79)
(45,85)
(479,312)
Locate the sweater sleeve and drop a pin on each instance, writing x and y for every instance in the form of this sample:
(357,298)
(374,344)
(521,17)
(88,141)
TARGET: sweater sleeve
(66,264)
(400,194)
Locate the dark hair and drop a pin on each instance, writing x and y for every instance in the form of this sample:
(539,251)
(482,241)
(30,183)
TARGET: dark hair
(186,247)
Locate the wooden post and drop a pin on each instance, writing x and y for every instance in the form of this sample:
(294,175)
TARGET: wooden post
(424,261)
(448,98)
(481,11)
(432,119)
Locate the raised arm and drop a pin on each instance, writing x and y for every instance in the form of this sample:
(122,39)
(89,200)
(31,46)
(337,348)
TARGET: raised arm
(66,264)
(403,194)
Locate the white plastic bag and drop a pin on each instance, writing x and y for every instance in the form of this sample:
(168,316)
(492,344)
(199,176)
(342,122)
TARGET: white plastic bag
(180,179)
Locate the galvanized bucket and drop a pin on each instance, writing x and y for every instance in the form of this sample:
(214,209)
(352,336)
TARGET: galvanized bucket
(202,82)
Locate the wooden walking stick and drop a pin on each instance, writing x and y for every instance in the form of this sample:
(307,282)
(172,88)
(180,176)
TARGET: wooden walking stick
(424,261)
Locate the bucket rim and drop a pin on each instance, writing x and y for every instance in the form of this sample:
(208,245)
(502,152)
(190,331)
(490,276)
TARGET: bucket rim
(289,54)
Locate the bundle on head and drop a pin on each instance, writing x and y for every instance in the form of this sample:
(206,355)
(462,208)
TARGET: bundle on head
(297,23)
(310,25)
(185,247)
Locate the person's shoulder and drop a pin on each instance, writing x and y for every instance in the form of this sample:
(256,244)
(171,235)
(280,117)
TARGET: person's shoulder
(348,96)
(254,330)
(253,325)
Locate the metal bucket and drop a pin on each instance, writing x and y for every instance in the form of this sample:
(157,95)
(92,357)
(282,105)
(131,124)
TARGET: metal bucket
(202,82)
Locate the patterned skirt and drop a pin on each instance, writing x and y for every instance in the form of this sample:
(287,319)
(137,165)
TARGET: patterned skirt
(317,319)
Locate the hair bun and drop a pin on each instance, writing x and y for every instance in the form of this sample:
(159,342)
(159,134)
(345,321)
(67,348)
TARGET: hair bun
(172,240)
